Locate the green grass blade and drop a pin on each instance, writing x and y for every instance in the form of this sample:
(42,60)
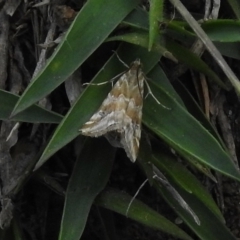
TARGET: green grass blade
(222,30)
(155,16)
(211,227)
(195,196)
(138,18)
(182,177)
(184,133)
(229,49)
(118,202)
(34,114)
(90,175)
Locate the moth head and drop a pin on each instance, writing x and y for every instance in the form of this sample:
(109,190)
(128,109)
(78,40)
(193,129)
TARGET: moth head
(136,64)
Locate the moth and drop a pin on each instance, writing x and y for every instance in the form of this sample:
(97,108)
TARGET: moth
(120,115)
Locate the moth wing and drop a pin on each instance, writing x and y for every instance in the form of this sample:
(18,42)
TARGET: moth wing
(131,135)
(109,117)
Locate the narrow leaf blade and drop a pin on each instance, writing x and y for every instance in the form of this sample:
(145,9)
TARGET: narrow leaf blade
(118,201)
(89,177)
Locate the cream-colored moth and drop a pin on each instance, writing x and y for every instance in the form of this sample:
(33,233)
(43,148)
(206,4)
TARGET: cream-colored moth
(120,114)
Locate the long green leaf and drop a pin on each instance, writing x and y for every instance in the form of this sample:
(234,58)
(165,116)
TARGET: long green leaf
(34,114)
(90,175)
(184,133)
(155,16)
(138,18)
(118,201)
(185,179)
(222,30)
(93,24)
(211,228)
(229,49)
(190,190)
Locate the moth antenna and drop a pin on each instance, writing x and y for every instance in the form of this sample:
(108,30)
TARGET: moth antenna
(135,195)
(102,83)
(95,84)
(120,60)
(150,93)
